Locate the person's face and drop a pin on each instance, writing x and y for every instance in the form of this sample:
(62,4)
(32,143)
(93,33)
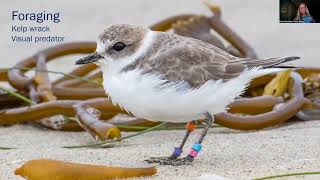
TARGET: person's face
(302,9)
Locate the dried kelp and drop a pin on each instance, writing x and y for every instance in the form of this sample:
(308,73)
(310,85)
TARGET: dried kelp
(41,169)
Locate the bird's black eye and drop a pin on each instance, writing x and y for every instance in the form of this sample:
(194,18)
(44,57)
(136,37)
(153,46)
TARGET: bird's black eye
(119,46)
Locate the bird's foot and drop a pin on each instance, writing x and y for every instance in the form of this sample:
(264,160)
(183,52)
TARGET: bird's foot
(186,160)
(178,161)
(160,159)
(176,153)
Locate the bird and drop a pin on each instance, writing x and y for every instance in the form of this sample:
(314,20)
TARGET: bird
(161,76)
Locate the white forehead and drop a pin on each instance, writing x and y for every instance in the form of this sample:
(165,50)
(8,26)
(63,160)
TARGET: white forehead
(102,45)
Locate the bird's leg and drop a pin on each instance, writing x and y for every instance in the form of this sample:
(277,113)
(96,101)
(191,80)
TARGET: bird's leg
(177,150)
(195,148)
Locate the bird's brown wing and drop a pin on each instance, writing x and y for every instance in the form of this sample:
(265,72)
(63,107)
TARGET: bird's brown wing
(197,62)
(194,65)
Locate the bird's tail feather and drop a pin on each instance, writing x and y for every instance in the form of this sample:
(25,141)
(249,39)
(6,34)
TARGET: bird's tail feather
(266,63)
(279,61)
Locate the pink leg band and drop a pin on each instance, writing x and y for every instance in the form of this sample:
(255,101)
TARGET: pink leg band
(193,153)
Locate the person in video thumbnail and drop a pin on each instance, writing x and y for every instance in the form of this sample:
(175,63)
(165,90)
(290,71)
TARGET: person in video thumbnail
(303,14)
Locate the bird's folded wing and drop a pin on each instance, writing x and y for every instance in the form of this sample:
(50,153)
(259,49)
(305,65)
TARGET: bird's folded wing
(194,65)
(199,62)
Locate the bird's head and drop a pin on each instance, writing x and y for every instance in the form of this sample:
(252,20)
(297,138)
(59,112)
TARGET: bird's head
(116,43)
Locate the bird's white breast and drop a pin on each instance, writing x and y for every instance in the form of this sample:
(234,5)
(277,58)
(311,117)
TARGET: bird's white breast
(141,95)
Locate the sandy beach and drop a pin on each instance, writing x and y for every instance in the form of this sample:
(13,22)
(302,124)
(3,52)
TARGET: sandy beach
(291,147)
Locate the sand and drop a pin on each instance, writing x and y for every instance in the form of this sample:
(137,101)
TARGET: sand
(228,153)
(293,147)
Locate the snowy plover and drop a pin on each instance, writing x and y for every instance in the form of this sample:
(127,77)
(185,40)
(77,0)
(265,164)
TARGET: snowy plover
(166,77)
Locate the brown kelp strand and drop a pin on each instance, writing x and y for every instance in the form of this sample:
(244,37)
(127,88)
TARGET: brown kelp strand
(274,117)
(88,119)
(51,108)
(41,169)
(17,78)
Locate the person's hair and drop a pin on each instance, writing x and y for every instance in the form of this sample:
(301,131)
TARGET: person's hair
(298,17)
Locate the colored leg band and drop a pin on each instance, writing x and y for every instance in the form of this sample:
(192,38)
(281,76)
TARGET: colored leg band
(195,149)
(190,126)
(177,151)
(193,153)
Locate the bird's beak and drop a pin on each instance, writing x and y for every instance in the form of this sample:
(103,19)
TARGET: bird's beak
(94,57)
